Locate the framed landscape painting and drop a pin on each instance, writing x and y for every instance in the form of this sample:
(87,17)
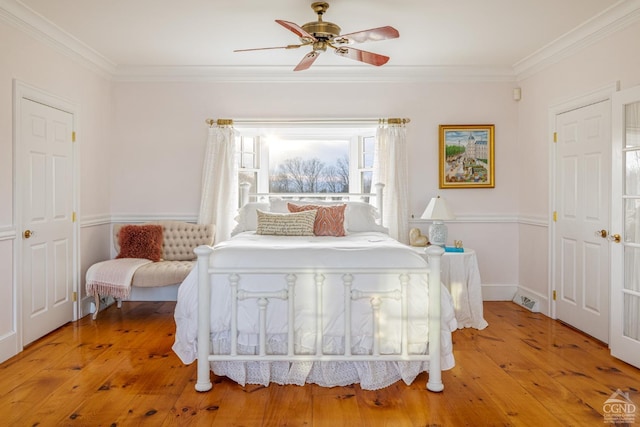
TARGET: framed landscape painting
(467,156)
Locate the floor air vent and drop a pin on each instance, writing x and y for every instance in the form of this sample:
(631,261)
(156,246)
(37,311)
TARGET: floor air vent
(526,302)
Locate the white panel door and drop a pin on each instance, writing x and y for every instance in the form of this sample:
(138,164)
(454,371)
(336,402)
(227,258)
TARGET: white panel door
(47,207)
(581,265)
(625,225)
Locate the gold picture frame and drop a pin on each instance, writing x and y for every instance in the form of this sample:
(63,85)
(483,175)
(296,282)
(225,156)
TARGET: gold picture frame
(467,156)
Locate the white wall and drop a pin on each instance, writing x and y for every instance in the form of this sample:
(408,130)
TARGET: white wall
(613,59)
(160,133)
(30,61)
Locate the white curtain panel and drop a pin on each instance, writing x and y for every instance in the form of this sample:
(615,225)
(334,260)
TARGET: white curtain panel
(219,198)
(391,169)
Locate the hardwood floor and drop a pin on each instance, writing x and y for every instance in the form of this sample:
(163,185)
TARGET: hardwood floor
(524,369)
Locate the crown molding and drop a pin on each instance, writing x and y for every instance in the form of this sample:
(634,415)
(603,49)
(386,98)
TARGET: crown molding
(30,22)
(318,74)
(613,19)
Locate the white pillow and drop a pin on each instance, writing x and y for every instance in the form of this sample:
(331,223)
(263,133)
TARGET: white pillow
(247,218)
(277,204)
(361,216)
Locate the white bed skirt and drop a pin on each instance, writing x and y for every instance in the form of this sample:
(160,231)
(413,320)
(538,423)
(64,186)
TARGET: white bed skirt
(370,375)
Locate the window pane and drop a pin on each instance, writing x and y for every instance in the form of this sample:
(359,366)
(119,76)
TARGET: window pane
(247,154)
(632,184)
(247,161)
(248,144)
(366,179)
(632,221)
(632,268)
(368,147)
(632,120)
(631,315)
(248,177)
(308,166)
(368,160)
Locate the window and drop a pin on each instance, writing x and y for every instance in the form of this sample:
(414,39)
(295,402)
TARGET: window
(306,160)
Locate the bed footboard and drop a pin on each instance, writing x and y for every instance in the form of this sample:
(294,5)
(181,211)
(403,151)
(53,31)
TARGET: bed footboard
(287,293)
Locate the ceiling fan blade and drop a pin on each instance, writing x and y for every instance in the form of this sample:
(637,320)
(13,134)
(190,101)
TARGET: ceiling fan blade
(290,46)
(307,61)
(296,29)
(371,35)
(362,55)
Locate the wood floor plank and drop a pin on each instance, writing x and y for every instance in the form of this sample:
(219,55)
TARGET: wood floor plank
(380,407)
(504,393)
(337,408)
(243,406)
(550,393)
(289,406)
(193,408)
(524,369)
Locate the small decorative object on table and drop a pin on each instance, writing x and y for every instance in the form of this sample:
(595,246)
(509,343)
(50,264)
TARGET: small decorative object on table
(416,238)
(457,247)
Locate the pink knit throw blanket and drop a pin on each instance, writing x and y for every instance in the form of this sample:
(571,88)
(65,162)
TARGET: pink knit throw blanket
(113,277)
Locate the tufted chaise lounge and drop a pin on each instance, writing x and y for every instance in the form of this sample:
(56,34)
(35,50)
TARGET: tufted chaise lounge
(178,259)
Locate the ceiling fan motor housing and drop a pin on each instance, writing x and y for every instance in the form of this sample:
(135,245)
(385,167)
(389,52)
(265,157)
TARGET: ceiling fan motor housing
(322,30)
(319,29)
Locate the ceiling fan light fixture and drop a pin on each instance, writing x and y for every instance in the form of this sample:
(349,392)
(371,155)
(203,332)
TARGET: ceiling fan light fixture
(320,35)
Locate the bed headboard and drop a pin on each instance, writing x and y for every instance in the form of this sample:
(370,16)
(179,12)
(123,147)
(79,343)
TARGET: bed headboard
(378,196)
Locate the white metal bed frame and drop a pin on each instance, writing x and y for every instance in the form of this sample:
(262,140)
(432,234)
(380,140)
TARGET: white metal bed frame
(430,275)
(287,293)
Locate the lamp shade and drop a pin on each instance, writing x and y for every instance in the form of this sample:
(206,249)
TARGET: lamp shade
(437,209)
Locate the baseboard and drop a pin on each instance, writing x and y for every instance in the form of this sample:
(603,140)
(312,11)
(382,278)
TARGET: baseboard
(498,292)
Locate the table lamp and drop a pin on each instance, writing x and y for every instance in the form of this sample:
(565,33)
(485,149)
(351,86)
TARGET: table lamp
(437,211)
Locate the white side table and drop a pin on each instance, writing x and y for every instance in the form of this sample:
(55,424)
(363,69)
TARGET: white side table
(460,274)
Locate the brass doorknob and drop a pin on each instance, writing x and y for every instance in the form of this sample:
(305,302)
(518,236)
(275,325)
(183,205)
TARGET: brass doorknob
(27,234)
(601,233)
(615,238)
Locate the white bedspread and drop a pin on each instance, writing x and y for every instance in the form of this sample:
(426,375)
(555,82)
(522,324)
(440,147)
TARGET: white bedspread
(359,250)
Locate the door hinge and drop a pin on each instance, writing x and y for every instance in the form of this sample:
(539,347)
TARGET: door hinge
(74,296)
(555,216)
(554,295)
(73,216)
(73,136)
(555,137)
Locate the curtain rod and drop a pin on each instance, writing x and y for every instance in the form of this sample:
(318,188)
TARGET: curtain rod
(227,122)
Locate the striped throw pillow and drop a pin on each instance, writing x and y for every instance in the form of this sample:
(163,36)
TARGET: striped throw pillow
(291,224)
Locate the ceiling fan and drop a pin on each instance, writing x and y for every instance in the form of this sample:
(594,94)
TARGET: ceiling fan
(321,35)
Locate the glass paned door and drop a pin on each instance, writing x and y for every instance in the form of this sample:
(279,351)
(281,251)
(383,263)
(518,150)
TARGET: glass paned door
(625,251)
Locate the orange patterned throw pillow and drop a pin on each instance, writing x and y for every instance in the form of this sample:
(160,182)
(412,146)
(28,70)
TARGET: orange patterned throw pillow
(329,219)
(141,241)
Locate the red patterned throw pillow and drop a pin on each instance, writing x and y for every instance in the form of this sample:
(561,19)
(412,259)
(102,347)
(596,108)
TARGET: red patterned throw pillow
(141,241)
(329,219)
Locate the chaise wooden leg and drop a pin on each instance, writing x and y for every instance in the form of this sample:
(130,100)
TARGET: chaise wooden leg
(97,299)
(118,302)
